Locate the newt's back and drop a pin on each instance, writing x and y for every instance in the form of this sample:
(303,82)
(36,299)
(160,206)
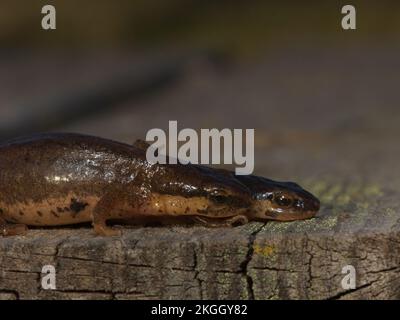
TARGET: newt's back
(59,175)
(44,165)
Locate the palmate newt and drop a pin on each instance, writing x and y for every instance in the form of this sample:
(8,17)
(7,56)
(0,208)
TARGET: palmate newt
(60,179)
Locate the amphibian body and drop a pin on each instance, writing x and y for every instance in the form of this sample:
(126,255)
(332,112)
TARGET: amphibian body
(63,179)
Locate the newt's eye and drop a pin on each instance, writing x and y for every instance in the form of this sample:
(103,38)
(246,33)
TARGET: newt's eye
(283,201)
(219,199)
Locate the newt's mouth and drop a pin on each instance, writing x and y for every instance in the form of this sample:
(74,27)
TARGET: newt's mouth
(289,216)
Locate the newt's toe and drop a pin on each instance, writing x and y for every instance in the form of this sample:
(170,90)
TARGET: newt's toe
(7,230)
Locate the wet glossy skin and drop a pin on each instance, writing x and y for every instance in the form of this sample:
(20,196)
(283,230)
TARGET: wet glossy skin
(59,179)
(283,201)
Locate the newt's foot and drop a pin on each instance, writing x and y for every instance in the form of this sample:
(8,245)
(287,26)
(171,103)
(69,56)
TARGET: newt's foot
(227,222)
(238,221)
(105,231)
(7,230)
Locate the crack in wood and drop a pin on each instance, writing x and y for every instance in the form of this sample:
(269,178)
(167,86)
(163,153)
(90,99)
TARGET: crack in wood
(244,265)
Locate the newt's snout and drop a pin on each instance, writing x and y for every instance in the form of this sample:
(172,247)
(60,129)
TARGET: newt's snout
(312,203)
(283,201)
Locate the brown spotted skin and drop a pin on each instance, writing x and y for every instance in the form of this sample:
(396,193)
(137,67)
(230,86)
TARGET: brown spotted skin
(59,179)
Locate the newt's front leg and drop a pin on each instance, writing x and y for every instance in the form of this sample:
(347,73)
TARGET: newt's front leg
(7,229)
(102,212)
(227,222)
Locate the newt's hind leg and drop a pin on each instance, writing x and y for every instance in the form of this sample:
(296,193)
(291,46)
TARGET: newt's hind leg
(7,229)
(228,222)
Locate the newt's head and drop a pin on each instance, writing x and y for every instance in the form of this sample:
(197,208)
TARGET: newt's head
(283,201)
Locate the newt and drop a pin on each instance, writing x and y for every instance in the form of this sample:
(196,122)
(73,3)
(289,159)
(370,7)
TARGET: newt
(58,179)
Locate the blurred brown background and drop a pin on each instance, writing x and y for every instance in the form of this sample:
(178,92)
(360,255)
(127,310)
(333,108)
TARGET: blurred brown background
(323,101)
(240,26)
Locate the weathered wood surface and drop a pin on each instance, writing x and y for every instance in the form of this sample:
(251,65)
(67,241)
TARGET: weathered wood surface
(257,261)
(335,134)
